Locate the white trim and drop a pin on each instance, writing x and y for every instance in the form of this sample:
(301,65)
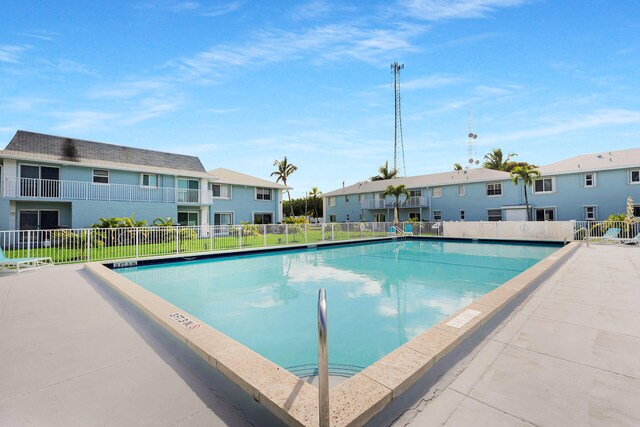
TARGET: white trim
(255,194)
(463,213)
(332,205)
(37,210)
(253,218)
(595,212)
(433,194)
(142,174)
(543,178)
(486,189)
(232,213)
(631,171)
(594,180)
(495,209)
(555,212)
(220,197)
(434,214)
(464,190)
(188,212)
(93,176)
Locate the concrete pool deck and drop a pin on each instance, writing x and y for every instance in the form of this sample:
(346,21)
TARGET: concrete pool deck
(71,353)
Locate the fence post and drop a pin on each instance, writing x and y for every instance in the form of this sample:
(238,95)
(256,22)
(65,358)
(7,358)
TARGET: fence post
(305,233)
(264,232)
(333,236)
(137,242)
(240,237)
(177,240)
(29,244)
(348,234)
(211,227)
(322,227)
(286,234)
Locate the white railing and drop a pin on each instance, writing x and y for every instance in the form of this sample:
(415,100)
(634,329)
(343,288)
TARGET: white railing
(409,202)
(95,244)
(78,190)
(607,231)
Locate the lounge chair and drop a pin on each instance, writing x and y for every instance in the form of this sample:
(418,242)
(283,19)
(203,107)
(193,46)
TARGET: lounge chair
(408,230)
(21,264)
(392,231)
(611,235)
(635,240)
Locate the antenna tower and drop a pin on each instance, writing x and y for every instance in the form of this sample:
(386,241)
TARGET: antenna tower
(397,132)
(471,141)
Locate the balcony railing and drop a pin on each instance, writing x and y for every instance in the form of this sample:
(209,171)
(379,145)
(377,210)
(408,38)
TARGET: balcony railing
(410,202)
(32,188)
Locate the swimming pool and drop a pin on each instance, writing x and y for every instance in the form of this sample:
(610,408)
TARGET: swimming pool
(380,295)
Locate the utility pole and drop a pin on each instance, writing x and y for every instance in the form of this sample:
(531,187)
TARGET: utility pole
(397,131)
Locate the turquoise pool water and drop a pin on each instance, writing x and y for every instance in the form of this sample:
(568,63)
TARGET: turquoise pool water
(379,295)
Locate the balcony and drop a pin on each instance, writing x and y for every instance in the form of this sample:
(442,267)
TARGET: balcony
(410,202)
(50,189)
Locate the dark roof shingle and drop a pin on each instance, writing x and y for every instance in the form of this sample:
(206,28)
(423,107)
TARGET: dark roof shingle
(70,149)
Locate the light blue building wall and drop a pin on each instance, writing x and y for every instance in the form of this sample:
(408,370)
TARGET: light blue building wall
(243,204)
(581,195)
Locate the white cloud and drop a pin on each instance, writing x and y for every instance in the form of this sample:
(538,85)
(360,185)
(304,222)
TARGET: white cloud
(84,120)
(12,53)
(222,9)
(596,119)
(329,42)
(430,82)
(434,10)
(40,35)
(131,89)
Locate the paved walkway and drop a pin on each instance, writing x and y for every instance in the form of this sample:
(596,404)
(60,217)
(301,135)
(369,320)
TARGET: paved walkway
(570,356)
(71,354)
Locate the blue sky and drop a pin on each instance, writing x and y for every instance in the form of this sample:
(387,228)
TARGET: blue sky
(242,83)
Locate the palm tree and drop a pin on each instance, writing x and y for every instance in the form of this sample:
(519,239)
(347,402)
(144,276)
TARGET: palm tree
(457,167)
(282,173)
(107,223)
(527,175)
(385,173)
(315,196)
(162,222)
(494,160)
(396,192)
(131,222)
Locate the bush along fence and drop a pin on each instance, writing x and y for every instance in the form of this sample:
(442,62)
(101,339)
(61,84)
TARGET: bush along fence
(99,244)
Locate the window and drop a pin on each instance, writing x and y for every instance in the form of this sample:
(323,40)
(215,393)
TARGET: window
(634,177)
(332,201)
(415,193)
(263,194)
(494,215)
(414,216)
(188,218)
(223,218)
(461,189)
(543,185)
(636,211)
(188,190)
(545,214)
(590,213)
(361,217)
(262,218)
(494,189)
(437,215)
(221,191)
(589,179)
(332,218)
(361,198)
(346,198)
(348,218)
(100,176)
(436,191)
(379,217)
(148,180)
(461,215)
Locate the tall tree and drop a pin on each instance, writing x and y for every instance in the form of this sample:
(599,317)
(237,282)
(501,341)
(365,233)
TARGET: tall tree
(495,160)
(527,175)
(284,170)
(396,192)
(315,196)
(385,173)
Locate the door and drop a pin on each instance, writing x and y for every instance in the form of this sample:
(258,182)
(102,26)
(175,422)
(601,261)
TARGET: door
(49,220)
(49,182)
(188,218)
(29,176)
(188,190)
(516,214)
(28,220)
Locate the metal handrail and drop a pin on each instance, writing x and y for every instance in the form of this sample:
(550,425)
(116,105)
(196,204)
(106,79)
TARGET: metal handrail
(323,360)
(564,241)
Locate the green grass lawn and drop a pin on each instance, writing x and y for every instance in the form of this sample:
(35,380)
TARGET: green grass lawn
(77,251)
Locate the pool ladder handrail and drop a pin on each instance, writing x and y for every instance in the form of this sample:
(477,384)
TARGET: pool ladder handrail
(586,238)
(323,360)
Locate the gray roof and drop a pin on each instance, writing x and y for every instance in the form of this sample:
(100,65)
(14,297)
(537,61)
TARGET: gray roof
(81,151)
(228,176)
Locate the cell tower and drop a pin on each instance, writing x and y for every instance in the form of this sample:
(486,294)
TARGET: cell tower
(471,142)
(397,132)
